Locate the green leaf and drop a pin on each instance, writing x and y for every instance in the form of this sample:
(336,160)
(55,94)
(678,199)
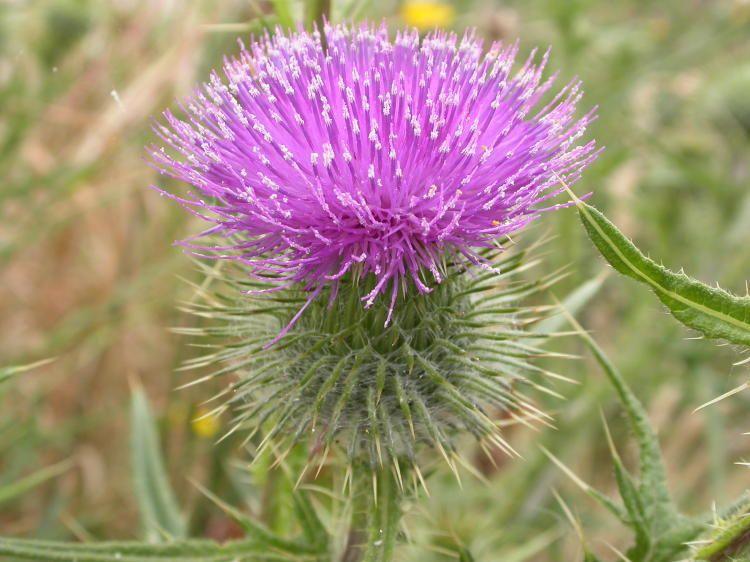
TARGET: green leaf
(160,514)
(661,511)
(713,312)
(631,498)
(181,551)
(662,532)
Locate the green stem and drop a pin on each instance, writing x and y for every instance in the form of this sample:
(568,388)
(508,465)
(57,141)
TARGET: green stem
(375,516)
(731,544)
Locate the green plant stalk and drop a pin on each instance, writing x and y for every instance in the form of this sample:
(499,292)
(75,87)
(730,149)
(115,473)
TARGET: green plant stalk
(180,551)
(732,542)
(376,513)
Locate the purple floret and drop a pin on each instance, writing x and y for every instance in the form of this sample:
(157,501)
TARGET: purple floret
(370,156)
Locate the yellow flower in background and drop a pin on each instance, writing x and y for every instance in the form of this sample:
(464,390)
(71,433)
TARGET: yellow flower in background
(205,424)
(427,15)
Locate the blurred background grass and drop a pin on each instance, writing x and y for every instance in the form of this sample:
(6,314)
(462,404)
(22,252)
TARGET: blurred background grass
(89,276)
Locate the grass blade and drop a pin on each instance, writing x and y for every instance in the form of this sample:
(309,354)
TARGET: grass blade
(15,489)
(6,373)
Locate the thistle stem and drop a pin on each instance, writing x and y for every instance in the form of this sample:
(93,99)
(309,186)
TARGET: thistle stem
(376,514)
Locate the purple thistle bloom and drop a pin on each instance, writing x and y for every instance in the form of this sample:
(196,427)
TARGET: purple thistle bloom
(367,156)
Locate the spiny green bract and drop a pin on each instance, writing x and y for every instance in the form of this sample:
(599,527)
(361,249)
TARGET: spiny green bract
(454,360)
(730,539)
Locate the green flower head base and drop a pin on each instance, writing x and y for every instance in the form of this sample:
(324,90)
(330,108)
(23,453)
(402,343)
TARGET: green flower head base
(451,362)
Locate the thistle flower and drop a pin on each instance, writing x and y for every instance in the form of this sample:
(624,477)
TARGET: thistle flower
(342,170)
(371,157)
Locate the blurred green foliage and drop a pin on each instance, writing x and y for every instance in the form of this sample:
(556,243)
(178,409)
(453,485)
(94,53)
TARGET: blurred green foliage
(88,273)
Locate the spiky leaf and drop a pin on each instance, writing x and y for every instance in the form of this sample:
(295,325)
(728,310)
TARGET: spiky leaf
(661,531)
(180,551)
(160,513)
(713,312)
(653,490)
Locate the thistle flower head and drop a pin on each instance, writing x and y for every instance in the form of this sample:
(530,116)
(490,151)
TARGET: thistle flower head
(348,154)
(339,171)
